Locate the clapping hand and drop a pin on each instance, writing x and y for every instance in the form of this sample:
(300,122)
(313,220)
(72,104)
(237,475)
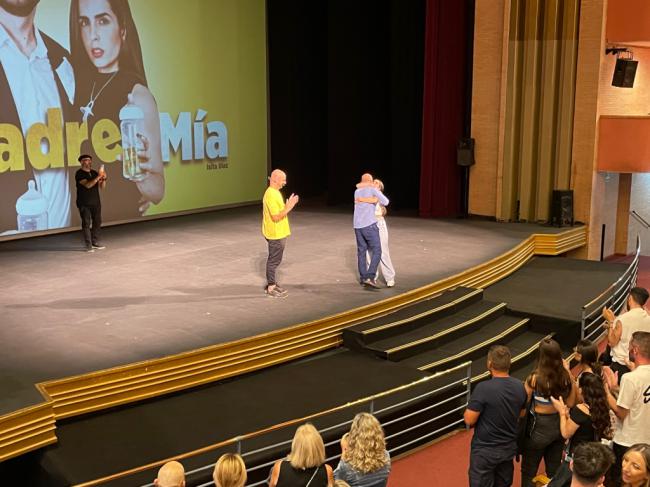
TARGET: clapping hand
(292,201)
(611,378)
(608,314)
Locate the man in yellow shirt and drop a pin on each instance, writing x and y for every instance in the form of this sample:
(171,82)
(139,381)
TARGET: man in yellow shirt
(275,228)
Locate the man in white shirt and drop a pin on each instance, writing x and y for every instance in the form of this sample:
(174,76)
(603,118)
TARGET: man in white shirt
(632,407)
(621,328)
(35,76)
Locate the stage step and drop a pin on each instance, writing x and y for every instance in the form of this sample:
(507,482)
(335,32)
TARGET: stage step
(410,317)
(437,332)
(469,347)
(523,349)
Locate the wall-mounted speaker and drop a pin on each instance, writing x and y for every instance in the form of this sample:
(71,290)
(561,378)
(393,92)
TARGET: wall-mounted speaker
(465,152)
(624,73)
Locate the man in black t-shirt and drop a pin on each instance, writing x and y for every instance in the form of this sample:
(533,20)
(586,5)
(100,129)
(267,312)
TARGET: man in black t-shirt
(89,182)
(494,408)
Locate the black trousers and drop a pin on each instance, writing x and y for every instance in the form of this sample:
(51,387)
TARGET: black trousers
(91,223)
(276,250)
(620,368)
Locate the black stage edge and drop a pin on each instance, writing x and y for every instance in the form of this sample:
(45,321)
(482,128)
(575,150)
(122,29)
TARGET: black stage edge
(101,444)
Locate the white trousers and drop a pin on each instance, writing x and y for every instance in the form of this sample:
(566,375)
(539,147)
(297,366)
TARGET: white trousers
(385,265)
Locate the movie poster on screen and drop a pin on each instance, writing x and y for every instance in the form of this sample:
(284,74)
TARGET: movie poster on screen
(169,96)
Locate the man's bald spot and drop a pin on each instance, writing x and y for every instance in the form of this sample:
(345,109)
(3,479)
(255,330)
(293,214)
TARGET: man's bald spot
(278,175)
(366,178)
(171,474)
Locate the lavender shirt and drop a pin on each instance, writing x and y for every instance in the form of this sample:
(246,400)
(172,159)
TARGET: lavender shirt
(364,213)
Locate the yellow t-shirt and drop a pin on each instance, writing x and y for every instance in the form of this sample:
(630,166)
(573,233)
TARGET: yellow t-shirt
(273,203)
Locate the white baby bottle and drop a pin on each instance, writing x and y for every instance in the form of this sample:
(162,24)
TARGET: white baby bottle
(31,208)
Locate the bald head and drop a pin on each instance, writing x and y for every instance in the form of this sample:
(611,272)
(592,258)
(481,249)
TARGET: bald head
(171,474)
(366,178)
(278,179)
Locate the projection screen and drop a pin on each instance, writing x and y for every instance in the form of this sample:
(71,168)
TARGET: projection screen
(170,96)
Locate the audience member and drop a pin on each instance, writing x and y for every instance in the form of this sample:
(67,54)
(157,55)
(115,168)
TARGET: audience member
(590,464)
(365,462)
(229,471)
(586,422)
(586,354)
(636,466)
(341,483)
(494,408)
(632,407)
(305,465)
(621,328)
(549,379)
(171,474)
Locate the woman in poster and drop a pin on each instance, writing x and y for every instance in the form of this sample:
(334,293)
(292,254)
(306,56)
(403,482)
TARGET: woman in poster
(109,71)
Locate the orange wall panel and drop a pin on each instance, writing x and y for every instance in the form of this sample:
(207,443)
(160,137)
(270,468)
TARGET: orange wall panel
(628,20)
(624,144)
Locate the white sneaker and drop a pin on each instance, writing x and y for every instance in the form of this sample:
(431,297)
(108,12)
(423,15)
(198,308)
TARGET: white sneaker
(390,283)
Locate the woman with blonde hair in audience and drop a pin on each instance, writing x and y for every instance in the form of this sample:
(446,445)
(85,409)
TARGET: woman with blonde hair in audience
(230,471)
(544,440)
(305,465)
(341,483)
(365,462)
(635,470)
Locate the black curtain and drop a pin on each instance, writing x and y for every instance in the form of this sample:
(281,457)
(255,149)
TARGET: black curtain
(345,85)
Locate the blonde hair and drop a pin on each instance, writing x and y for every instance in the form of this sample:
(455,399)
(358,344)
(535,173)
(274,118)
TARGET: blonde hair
(341,483)
(379,183)
(230,471)
(307,448)
(366,450)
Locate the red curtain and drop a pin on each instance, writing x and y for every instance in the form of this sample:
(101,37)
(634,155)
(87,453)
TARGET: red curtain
(443,107)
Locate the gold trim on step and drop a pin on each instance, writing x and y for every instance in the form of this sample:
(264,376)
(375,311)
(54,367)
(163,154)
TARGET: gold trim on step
(423,314)
(447,331)
(476,347)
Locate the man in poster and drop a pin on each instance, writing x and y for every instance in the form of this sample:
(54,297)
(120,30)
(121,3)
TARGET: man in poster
(35,75)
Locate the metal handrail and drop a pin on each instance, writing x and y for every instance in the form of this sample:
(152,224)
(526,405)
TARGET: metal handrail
(466,380)
(640,219)
(612,286)
(615,293)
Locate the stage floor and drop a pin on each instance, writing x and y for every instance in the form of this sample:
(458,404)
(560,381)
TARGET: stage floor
(168,286)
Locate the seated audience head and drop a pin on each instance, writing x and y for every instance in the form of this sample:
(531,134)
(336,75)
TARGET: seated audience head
(341,483)
(366,445)
(551,377)
(635,470)
(592,390)
(587,355)
(590,463)
(640,348)
(498,359)
(229,471)
(637,298)
(307,448)
(171,474)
